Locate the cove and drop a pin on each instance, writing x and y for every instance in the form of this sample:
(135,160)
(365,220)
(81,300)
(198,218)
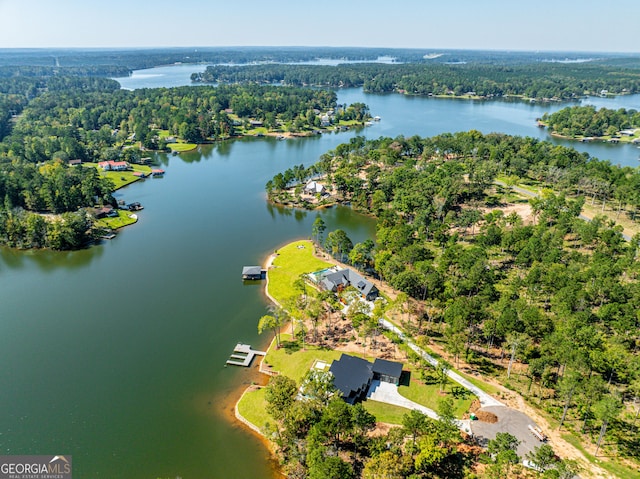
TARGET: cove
(115,354)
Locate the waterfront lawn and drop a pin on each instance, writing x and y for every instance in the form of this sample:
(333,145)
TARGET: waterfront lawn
(293,260)
(123,219)
(294,362)
(252,406)
(121,178)
(181,146)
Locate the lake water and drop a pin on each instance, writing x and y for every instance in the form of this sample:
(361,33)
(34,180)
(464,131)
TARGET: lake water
(115,354)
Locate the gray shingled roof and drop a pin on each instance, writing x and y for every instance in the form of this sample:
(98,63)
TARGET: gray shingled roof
(346,277)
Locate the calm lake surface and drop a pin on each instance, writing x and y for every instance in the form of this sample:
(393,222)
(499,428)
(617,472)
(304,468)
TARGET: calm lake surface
(115,354)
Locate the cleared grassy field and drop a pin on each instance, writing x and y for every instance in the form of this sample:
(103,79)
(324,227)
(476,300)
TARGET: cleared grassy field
(123,219)
(293,260)
(616,469)
(252,407)
(429,395)
(294,362)
(120,178)
(181,146)
(385,412)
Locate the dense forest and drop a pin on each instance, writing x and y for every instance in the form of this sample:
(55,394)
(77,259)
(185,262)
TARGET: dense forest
(556,292)
(46,122)
(135,59)
(535,80)
(588,121)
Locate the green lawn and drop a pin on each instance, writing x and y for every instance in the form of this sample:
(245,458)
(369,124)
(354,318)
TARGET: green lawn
(182,146)
(123,219)
(486,387)
(293,260)
(385,412)
(295,362)
(252,407)
(120,178)
(428,394)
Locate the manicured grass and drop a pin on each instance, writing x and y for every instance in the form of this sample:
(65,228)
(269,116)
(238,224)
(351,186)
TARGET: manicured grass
(252,407)
(123,219)
(385,412)
(618,470)
(182,146)
(261,130)
(294,362)
(120,178)
(293,260)
(429,395)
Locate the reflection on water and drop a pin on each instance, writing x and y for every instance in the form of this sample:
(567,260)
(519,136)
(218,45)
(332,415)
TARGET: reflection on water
(117,352)
(47,260)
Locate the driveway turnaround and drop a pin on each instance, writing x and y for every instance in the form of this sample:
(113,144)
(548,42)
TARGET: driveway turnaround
(511,421)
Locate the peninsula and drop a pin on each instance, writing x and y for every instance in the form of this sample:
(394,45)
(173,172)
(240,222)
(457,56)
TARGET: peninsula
(339,331)
(586,123)
(520,289)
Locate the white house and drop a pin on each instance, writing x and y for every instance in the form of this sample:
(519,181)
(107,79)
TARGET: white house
(313,187)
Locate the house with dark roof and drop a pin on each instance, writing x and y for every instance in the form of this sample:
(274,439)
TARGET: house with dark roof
(338,280)
(387,371)
(352,376)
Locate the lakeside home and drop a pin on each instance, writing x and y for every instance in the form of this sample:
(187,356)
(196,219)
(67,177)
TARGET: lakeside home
(338,280)
(113,165)
(352,376)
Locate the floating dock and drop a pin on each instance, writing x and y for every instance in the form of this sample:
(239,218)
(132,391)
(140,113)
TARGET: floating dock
(243,355)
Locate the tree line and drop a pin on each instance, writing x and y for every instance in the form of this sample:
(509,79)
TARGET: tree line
(45,122)
(588,121)
(320,436)
(532,80)
(555,293)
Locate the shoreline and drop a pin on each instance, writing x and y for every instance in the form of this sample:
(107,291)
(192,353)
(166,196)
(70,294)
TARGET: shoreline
(596,139)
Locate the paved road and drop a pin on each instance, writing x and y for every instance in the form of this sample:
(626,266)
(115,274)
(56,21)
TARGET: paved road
(484,398)
(509,420)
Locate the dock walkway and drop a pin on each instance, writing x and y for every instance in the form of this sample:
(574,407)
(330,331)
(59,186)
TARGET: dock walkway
(243,355)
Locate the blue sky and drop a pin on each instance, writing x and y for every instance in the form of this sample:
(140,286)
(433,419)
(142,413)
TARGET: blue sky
(560,25)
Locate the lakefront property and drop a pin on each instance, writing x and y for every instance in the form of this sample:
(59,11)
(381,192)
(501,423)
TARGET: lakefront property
(337,281)
(516,292)
(352,375)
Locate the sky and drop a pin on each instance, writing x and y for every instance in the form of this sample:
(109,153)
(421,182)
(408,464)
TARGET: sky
(535,25)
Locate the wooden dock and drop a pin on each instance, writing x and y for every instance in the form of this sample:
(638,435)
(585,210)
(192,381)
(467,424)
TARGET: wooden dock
(243,355)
